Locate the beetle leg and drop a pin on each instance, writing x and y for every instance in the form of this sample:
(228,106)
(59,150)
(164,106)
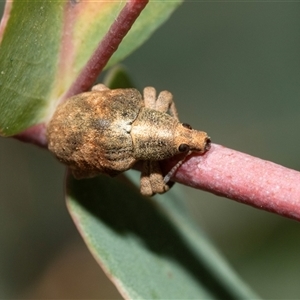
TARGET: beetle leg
(152,181)
(150,97)
(164,102)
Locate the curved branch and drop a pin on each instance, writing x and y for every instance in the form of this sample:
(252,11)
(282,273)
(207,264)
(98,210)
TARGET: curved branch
(243,178)
(106,48)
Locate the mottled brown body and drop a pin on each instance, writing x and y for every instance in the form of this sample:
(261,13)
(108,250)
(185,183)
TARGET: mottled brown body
(108,131)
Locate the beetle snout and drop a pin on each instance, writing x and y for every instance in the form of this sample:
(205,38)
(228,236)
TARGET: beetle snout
(208,144)
(200,141)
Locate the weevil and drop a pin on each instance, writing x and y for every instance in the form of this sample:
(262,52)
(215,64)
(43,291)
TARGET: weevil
(108,131)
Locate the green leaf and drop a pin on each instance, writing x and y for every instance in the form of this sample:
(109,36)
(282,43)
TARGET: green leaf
(45,45)
(150,248)
(28,58)
(153,16)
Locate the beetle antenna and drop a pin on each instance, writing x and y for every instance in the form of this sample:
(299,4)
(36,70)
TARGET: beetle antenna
(175,168)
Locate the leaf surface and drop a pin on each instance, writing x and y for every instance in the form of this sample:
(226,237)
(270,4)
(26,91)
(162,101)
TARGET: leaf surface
(45,45)
(150,248)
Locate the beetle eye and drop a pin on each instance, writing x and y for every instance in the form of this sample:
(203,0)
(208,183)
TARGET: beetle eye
(184,148)
(188,126)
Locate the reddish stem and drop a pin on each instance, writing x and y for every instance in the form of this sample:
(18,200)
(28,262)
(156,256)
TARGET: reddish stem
(5,18)
(243,178)
(108,45)
(35,135)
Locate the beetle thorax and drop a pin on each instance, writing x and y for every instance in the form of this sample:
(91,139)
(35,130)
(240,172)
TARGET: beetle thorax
(153,135)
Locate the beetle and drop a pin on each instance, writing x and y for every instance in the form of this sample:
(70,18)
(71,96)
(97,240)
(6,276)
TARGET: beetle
(108,131)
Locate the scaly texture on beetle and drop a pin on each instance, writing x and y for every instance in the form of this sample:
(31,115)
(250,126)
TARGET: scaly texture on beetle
(108,131)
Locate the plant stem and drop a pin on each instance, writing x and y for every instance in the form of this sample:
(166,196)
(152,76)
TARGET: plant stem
(108,45)
(243,178)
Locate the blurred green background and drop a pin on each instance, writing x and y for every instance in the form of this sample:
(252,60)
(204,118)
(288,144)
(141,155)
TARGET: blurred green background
(234,69)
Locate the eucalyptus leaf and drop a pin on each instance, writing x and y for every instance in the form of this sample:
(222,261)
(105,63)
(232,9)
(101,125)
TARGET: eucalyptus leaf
(45,45)
(149,248)
(154,15)
(28,56)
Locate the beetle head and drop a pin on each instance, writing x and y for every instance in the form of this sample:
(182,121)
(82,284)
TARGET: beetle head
(190,140)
